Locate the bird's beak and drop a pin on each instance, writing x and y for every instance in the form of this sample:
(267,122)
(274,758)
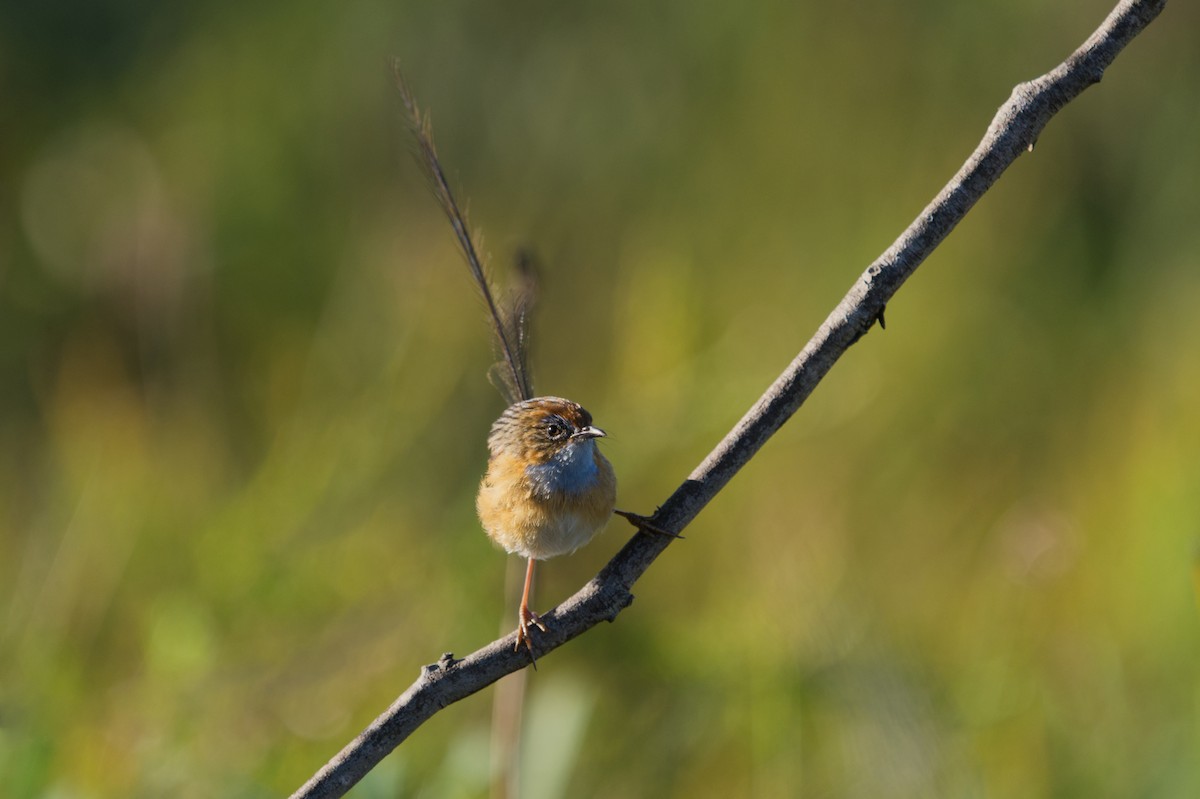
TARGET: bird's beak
(589,432)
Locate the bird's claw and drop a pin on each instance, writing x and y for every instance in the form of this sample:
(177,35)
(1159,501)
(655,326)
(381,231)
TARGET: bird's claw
(527,619)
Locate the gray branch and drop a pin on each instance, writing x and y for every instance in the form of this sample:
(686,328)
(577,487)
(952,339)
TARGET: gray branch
(1013,131)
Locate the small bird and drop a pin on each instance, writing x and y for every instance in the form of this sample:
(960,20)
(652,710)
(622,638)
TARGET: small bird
(548,490)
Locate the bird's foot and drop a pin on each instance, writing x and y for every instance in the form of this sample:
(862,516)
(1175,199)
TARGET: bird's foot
(527,619)
(644,524)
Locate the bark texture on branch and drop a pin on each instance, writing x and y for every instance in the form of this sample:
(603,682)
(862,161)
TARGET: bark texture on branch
(1013,131)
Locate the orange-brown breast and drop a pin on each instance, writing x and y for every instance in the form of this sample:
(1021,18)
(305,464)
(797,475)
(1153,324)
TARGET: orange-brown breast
(538,524)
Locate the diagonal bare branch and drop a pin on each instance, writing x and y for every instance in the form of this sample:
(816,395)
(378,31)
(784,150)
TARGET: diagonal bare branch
(1013,131)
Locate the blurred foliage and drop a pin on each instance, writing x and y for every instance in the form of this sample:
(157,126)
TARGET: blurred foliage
(243,405)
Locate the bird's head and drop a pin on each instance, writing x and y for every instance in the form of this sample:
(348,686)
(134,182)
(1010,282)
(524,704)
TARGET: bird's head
(541,428)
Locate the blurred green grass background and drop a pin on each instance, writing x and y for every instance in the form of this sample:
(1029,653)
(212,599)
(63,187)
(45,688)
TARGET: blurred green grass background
(243,404)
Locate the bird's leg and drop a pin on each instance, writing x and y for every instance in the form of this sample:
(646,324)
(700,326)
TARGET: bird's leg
(526,616)
(644,524)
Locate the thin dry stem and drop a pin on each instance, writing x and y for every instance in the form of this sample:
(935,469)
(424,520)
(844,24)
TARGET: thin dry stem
(1015,128)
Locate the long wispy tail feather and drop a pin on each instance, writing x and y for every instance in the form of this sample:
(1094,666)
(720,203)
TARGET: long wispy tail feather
(510,324)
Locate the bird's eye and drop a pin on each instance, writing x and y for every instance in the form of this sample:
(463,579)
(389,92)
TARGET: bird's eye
(556,430)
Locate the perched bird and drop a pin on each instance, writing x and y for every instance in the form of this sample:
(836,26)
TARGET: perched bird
(548,489)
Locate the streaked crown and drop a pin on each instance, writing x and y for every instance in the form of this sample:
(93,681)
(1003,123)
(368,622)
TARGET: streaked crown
(538,428)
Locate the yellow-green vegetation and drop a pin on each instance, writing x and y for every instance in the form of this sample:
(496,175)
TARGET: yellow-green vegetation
(243,406)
